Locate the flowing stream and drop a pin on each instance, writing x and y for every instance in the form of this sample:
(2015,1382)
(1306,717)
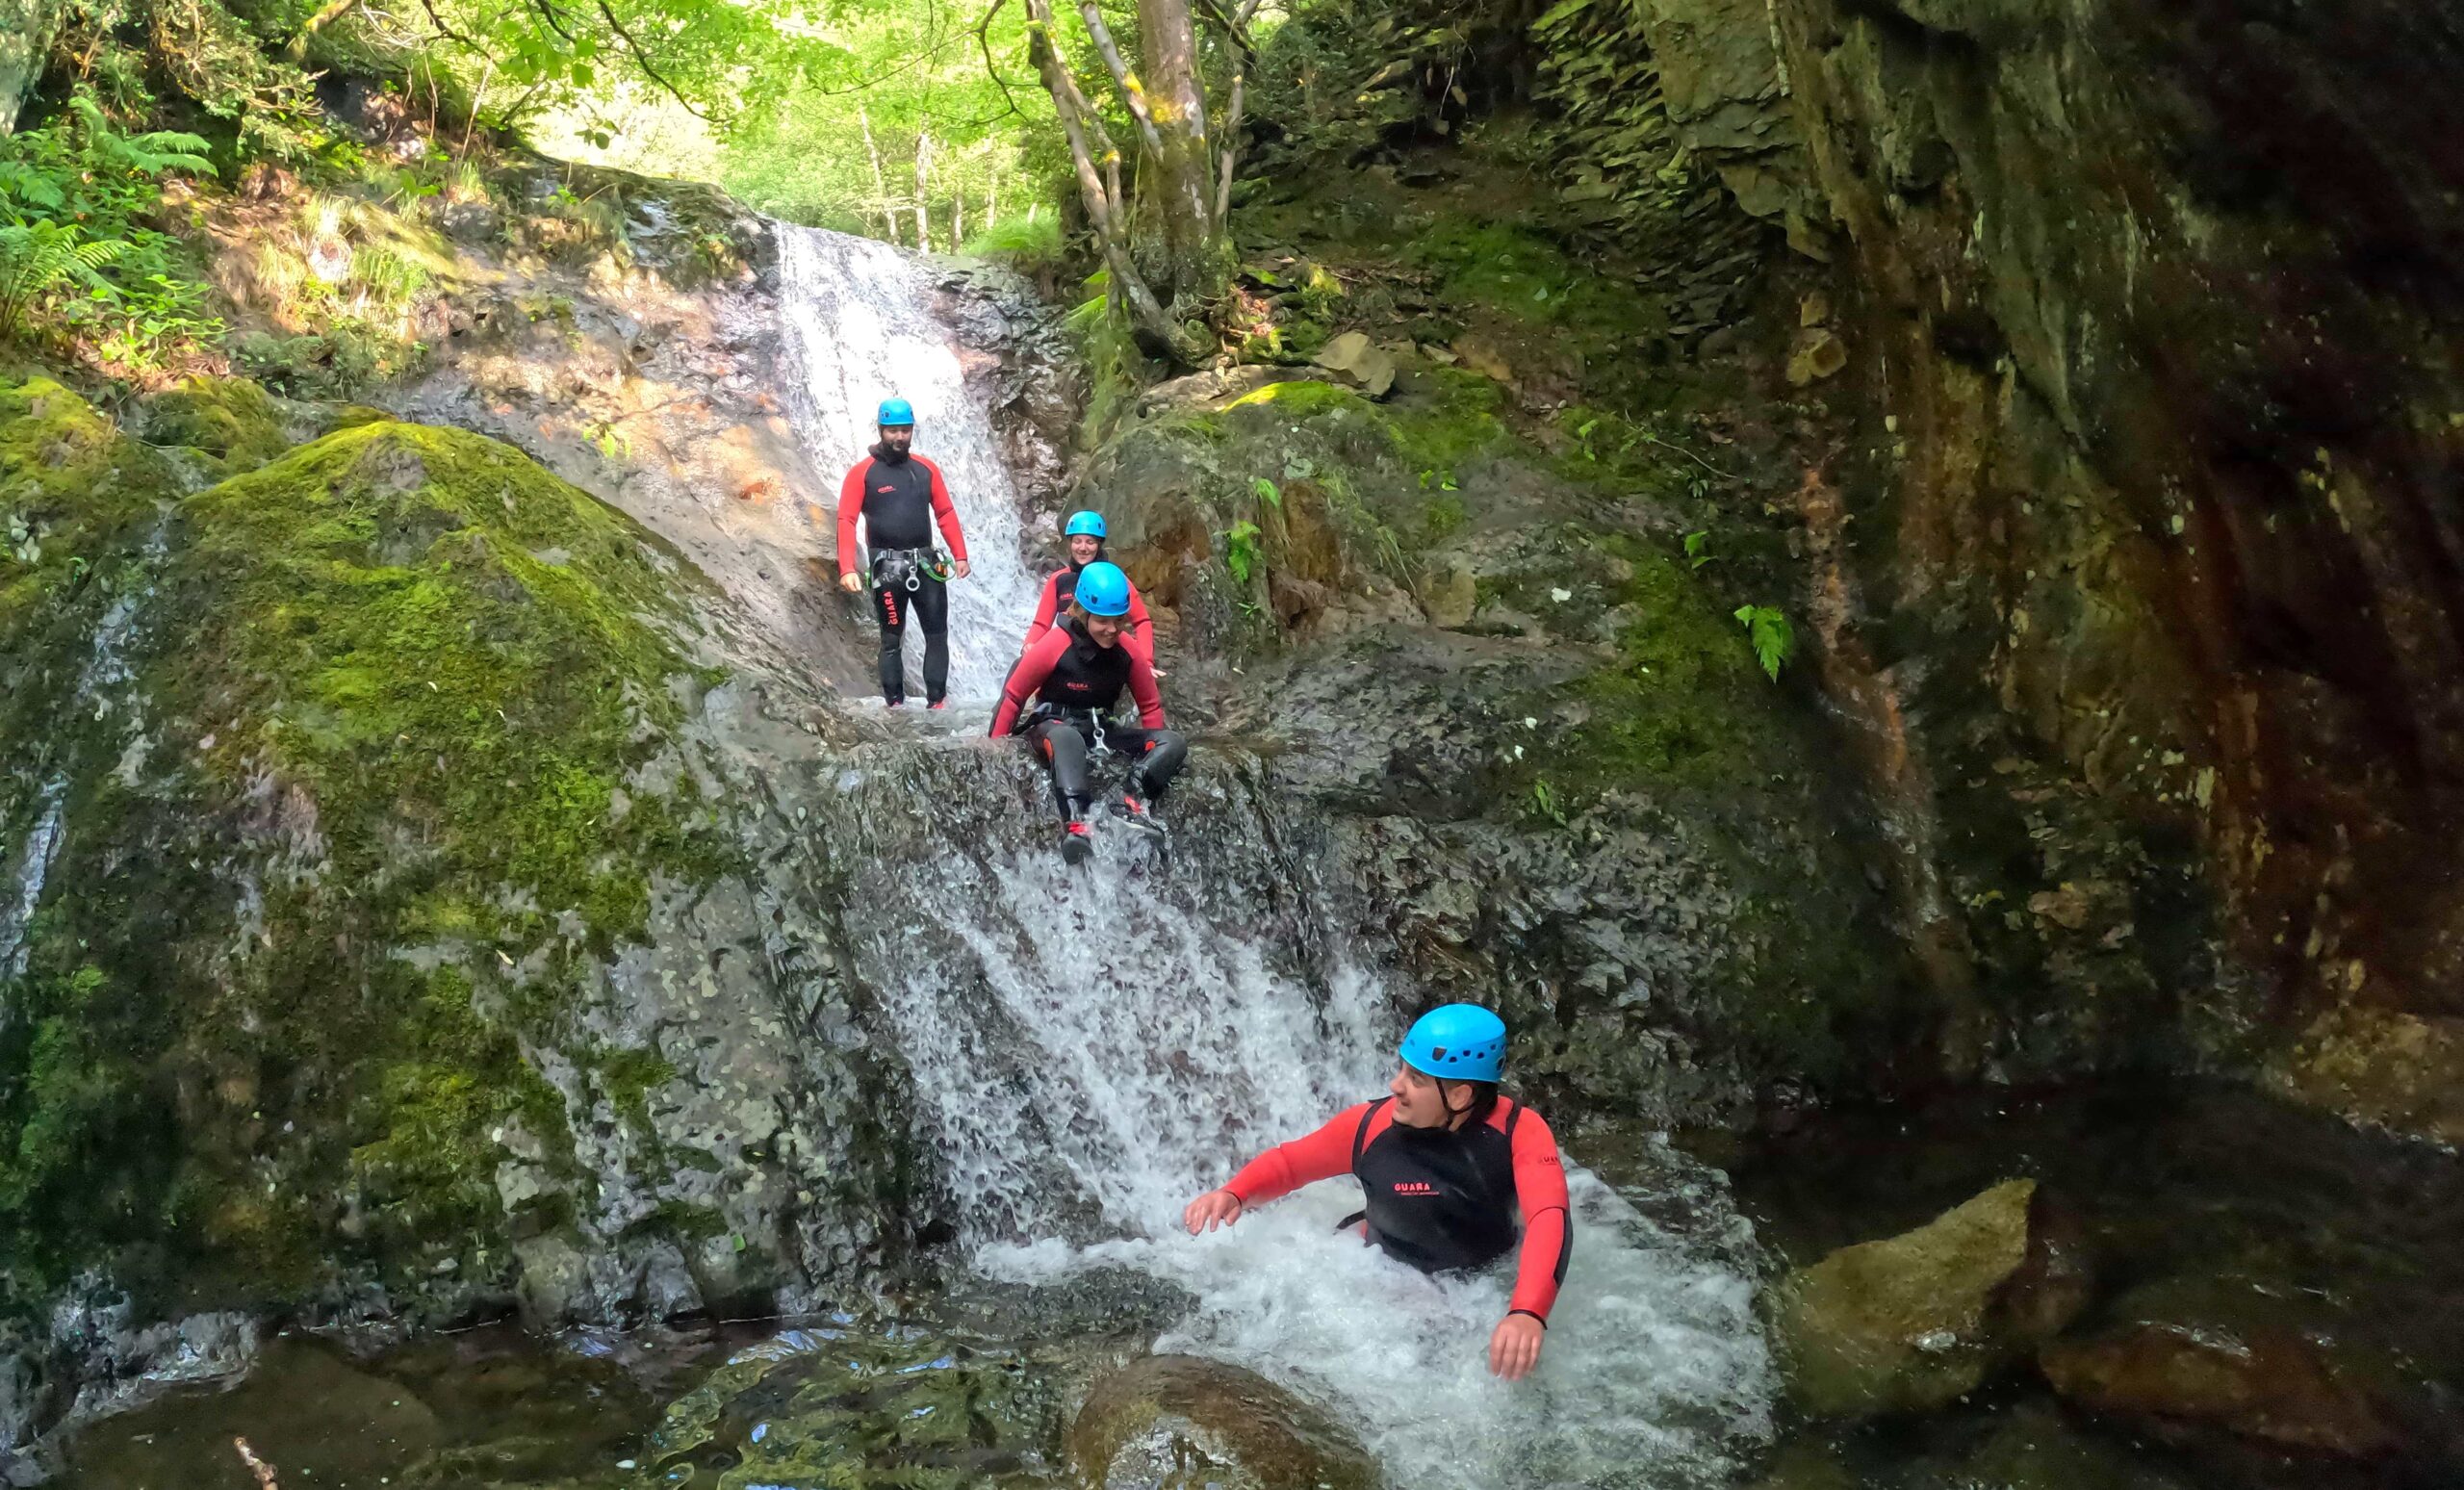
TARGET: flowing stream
(1089,1051)
(859,329)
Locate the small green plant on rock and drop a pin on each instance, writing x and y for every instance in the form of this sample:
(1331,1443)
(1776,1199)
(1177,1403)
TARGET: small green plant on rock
(1241,551)
(1774,639)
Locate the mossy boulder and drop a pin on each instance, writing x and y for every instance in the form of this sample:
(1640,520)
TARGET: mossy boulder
(383,899)
(1918,1320)
(1165,1421)
(231,420)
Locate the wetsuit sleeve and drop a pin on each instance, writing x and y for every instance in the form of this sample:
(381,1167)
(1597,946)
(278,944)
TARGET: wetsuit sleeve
(1142,687)
(1046,609)
(1142,626)
(851,505)
(943,512)
(1304,1161)
(1028,677)
(1548,1228)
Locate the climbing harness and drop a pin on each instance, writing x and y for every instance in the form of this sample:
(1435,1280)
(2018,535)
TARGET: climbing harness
(907,569)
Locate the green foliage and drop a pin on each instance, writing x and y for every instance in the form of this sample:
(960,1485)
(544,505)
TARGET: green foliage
(1698,550)
(1267,492)
(74,248)
(38,259)
(1241,554)
(1774,639)
(1031,246)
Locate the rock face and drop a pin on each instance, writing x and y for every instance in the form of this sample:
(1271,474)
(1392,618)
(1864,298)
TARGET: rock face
(1547,772)
(406,906)
(1919,1320)
(1168,1421)
(25,36)
(2151,315)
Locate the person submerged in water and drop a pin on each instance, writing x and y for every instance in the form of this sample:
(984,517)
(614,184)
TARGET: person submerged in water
(1085,535)
(1445,1162)
(1075,675)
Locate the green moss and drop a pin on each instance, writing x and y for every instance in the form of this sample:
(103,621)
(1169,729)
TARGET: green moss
(1506,268)
(395,682)
(438,637)
(1300,398)
(680,1220)
(79,489)
(227,418)
(628,1077)
(1685,704)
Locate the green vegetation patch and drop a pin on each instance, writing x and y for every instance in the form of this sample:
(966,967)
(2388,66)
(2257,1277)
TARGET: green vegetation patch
(456,654)
(230,418)
(385,814)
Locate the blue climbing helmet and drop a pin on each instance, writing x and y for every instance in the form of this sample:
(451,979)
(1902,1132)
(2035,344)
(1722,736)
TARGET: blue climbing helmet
(1455,1042)
(895,412)
(1088,524)
(1104,590)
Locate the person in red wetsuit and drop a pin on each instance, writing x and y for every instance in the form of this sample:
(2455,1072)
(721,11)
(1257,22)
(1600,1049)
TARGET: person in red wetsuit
(1445,1162)
(1085,535)
(900,496)
(1075,676)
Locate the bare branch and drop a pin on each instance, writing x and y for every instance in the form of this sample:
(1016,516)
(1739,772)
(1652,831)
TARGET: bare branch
(992,69)
(1132,92)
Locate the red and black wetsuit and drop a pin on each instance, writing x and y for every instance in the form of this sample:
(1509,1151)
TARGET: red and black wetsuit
(1440,1198)
(1075,683)
(1063,587)
(901,496)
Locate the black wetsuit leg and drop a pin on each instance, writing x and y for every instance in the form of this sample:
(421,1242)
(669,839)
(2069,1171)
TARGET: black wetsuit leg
(889,609)
(1064,751)
(1155,756)
(931,604)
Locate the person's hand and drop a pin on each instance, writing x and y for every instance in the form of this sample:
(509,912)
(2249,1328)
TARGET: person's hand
(961,568)
(1514,1347)
(1160,674)
(1215,1208)
(851,583)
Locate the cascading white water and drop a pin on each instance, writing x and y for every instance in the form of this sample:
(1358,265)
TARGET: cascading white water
(97,687)
(1091,1050)
(859,330)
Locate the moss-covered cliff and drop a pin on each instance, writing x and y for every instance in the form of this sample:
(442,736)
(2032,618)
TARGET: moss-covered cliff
(375,833)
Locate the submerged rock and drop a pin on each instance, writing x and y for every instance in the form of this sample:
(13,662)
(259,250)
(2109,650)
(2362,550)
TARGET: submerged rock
(1920,1320)
(2227,1356)
(1166,1422)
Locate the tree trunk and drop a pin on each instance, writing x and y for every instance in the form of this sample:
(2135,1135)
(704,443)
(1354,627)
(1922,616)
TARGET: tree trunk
(1185,164)
(881,183)
(957,217)
(923,172)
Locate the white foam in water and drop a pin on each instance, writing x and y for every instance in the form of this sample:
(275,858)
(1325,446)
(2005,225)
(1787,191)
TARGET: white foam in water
(859,330)
(1092,1049)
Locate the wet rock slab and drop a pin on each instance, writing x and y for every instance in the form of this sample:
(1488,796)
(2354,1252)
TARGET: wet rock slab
(1167,1421)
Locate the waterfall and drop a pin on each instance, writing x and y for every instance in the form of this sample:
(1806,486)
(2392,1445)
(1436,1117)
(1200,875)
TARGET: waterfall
(98,692)
(859,329)
(1090,1048)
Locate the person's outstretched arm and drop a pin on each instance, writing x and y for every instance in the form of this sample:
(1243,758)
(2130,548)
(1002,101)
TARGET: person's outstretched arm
(1142,688)
(851,505)
(1046,609)
(1142,626)
(1280,1170)
(1026,677)
(1548,1243)
(944,513)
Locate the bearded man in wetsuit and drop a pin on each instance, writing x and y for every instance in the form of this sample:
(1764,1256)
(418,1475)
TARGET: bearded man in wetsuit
(1445,1162)
(1075,675)
(900,495)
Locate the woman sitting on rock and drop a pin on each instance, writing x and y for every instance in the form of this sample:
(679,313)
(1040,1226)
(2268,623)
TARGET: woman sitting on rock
(1445,1162)
(1085,533)
(1075,675)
